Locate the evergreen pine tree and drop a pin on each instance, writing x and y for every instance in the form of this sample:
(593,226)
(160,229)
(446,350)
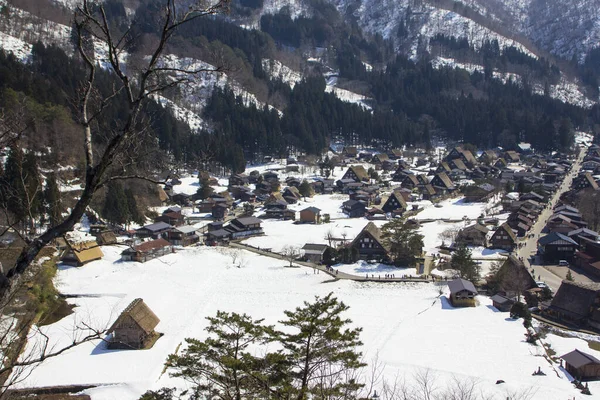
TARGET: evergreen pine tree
(13,190)
(405,244)
(133,211)
(52,200)
(205,190)
(569,276)
(305,189)
(116,209)
(320,347)
(463,262)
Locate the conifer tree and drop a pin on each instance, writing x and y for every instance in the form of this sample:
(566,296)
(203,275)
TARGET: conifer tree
(320,347)
(463,262)
(306,189)
(404,242)
(569,276)
(52,200)
(116,209)
(133,211)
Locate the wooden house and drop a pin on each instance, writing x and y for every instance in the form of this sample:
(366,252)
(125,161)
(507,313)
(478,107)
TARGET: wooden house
(462,293)
(134,328)
(238,180)
(156,230)
(184,235)
(502,303)
(244,227)
(380,158)
(311,215)
(370,245)
(442,183)
(500,163)
(357,173)
(428,192)
(395,204)
(488,156)
(556,246)
(585,180)
(459,153)
(479,193)
(512,156)
(504,238)
(513,279)
(354,209)
(350,151)
(106,238)
(79,254)
(291,194)
(409,181)
(314,252)
(474,235)
(147,251)
(582,366)
(219,211)
(576,303)
(171,217)
(583,233)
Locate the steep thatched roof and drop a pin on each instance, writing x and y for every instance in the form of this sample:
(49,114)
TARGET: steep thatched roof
(141,314)
(575,298)
(86,251)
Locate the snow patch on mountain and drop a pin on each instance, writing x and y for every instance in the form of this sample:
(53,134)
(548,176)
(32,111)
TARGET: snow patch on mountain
(20,49)
(294,8)
(565,91)
(30,28)
(278,70)
(194,121)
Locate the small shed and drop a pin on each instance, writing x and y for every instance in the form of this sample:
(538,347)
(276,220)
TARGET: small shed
(134,329)
(462,293)
(310,215)
(314,252)
(502,303)
(582,366)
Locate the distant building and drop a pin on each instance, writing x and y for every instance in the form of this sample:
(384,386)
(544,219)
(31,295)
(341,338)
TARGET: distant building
(556,246)
(503,238)
(314,252)
(354,209)
(310,215)
(184,235)
(502,303)
(134,329)
(370,245)
(462,293)
(395,204)
(474,235)
(357,173)
(147,251)
(156,230)
(576,303)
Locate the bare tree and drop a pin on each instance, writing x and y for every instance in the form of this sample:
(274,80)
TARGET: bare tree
(152,76)
(291,253)
(449,235)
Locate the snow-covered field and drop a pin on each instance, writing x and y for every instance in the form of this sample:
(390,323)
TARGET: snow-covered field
(407,325)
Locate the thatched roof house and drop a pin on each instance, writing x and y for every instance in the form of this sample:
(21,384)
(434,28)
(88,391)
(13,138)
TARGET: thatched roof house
(134,329)
(79,254)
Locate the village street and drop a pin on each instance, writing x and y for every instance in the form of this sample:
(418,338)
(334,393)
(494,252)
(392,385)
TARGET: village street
(530,244)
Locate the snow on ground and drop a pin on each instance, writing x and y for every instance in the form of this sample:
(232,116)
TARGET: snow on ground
(407,325)
(455,208)
(362,267)
(328,204)
(278,234)
(194,121)
(278,70)
(431,234)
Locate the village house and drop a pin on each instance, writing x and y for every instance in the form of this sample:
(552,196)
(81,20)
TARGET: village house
(106,238)
(474,235)
(428,192)
(134,328)
(442,183)
(219,211)
(562,224)
(184,235)
(350,151)
(488,156)
(580,234)
(502,303)
(512,156)
(173,218)
(462,293)
(357,173)
(582,366)
(279,210)
(503,238)
(500,163)
(479,193)
(459,153)
(576,303)
(314,252)
(147,251)
(409,181)
(244,227)
(79,254)
(291,194)
(354,209)
(588,256)
(182,199)
(555,247)
(513,279)
(156,230)
(585,180)
(323,186)
(395,204)
(311,215)
(370,245)
(380,158)
(238,180)
(443,167)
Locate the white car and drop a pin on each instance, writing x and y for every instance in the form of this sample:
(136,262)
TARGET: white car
(541,284)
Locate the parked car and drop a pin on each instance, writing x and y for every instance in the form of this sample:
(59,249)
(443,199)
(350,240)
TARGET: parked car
(541,284)
(563,263)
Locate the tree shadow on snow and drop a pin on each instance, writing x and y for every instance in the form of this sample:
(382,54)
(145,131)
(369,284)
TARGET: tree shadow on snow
(494,309)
